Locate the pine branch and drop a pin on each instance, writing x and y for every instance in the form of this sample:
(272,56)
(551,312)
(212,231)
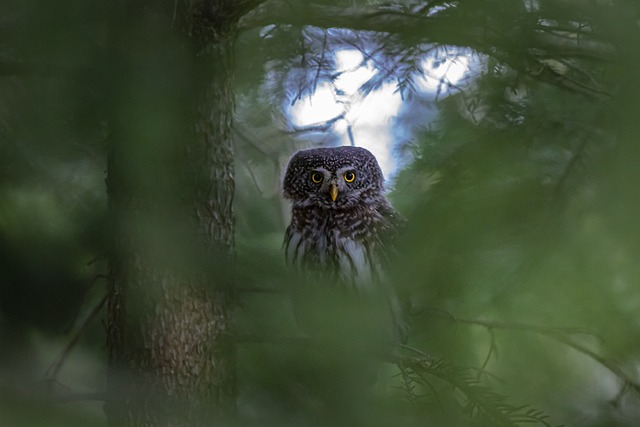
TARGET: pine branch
(433,24)
(561,335)
(446,26)
(483,402)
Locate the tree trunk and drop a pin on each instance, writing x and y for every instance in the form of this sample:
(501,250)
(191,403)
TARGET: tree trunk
(170,184)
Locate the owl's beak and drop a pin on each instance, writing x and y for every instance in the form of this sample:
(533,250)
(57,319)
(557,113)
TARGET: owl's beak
(333,191)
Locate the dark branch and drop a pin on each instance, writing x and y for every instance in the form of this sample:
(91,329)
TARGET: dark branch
(319,127)
(53,370)
(364,18)
(441,27)
(444,27)
(561,335)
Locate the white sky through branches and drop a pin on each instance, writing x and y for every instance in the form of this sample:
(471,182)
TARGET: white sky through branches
(371,117)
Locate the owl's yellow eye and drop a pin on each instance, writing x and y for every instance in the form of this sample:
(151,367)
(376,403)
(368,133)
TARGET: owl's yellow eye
(316,177)
(349,176)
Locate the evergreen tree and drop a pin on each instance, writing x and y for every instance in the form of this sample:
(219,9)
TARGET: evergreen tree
(518,182)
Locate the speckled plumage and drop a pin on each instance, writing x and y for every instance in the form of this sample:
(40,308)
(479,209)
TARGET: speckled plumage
(345,236)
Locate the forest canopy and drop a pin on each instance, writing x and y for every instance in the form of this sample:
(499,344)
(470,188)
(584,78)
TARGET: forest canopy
(507,131)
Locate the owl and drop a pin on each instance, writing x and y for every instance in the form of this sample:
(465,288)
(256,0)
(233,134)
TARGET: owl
(341,222)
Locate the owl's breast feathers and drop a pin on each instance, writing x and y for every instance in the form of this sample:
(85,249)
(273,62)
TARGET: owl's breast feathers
(349,245)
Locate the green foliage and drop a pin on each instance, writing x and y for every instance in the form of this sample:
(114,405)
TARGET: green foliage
(479,402)
(519,260)
(518,252)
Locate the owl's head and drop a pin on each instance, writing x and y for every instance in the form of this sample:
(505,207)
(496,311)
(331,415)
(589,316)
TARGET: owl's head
(333,178)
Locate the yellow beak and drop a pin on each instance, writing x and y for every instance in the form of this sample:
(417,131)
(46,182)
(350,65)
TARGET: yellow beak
(333,191)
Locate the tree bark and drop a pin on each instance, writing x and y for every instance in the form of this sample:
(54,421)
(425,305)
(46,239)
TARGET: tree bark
(170,184)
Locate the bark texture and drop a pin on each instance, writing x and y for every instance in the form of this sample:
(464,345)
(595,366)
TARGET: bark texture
(171,183)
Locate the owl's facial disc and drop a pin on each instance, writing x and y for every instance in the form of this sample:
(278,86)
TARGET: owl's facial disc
(333,188)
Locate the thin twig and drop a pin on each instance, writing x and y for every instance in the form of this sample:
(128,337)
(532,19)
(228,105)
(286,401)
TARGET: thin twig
(492,350)
(321,62)
(85,297)
(558,334)
(415,350)
(319,127)
(493,324)
(52,372)
(607,363)
(96,259)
